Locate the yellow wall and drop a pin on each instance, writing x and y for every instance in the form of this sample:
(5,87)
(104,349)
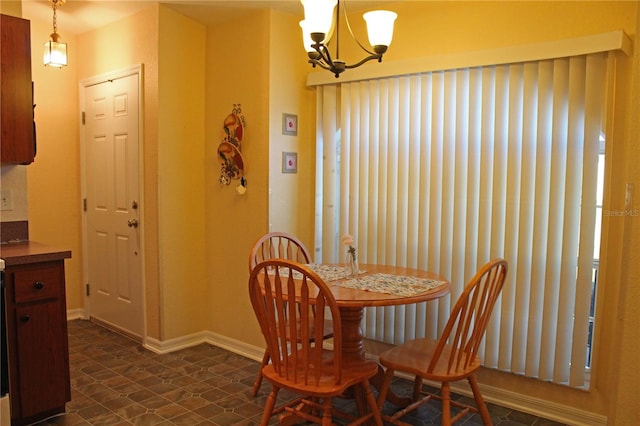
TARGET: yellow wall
(53,180)
(241,68)
(624,408)
(237,73)
(292,195)
(12,8)
(181,176)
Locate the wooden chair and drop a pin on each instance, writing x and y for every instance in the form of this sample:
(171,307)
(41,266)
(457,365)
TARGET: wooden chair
(283,293)
(454,356)
(278,245)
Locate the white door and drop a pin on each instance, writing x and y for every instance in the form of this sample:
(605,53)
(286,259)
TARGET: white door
(112,202)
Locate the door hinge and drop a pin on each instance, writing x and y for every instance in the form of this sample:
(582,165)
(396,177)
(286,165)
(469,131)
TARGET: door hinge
(84,204)
(88,289)
(83,118)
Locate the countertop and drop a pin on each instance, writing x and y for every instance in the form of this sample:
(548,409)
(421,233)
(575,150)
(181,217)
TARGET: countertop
(24,252)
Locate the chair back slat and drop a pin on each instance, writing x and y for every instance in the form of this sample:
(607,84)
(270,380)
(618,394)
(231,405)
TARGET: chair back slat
(469,318)
(278,245)
(292,305)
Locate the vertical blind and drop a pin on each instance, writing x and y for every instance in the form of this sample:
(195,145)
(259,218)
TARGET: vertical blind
(446,170)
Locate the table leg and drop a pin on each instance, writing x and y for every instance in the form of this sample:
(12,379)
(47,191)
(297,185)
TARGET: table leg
(353,350)
(352,338)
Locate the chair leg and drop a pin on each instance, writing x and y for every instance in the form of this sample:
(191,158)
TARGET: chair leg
(446,404)
(377,417)
(327,408)
(482,407)
(382,395)
(258,382)
(268,406)
(417,388)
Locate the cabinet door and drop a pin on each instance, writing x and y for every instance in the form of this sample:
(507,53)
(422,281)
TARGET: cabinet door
(43,361)
(17,130)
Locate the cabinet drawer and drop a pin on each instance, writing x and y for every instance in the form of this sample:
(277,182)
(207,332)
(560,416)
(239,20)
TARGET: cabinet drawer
(38,284)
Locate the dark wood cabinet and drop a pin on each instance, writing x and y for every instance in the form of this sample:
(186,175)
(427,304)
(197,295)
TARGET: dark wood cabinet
(17,129)
(37,341)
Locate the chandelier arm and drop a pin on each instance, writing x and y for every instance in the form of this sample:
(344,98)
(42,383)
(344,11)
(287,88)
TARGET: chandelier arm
(324,53)
(319,63)
(346,20)
(367,59)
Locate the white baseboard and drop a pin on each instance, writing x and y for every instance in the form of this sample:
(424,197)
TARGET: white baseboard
(542,408)
(74,314)
(166,346)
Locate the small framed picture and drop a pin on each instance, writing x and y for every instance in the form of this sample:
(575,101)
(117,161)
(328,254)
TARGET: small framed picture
(289,162)
(289,124)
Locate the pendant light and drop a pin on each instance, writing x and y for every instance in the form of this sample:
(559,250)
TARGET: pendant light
(55,53)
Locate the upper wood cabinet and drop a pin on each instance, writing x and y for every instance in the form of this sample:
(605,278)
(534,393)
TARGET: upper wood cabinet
(17,129)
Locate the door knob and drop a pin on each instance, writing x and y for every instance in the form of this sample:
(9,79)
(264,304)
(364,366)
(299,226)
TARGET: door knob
(132,223)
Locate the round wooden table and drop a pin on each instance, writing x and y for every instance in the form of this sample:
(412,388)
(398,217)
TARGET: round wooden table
(352,303)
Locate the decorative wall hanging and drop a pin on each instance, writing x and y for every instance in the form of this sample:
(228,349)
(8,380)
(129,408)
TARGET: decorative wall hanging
(289,162)
(289,124)
(229,150)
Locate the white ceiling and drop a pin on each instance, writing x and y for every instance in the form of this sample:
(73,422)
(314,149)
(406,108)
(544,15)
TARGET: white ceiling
(79,16)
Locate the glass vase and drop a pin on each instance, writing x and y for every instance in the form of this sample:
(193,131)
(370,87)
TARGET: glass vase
(352,266)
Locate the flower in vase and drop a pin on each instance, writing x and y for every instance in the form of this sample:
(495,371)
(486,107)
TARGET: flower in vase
(348,241)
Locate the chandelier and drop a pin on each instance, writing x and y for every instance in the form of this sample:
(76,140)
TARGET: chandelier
(55,53)
(318,25)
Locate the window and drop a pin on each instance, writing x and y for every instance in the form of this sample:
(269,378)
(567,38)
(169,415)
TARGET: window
(445,170)
(596,249)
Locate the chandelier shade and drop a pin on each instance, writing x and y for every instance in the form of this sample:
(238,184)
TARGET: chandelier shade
(380,27)
(318,15)
(319,26)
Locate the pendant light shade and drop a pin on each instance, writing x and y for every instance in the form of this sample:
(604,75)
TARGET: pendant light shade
(55,53)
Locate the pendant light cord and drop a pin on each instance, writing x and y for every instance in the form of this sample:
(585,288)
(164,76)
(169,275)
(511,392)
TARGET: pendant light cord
(55,17)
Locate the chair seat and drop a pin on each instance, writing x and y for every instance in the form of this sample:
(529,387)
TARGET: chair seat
(414,356)
(326,386)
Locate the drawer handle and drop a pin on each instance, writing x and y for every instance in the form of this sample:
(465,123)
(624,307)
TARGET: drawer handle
(38,285)
(25,318)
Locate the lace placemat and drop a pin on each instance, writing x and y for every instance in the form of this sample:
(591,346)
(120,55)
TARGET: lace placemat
(326,272)
(330,272)
(390,284)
